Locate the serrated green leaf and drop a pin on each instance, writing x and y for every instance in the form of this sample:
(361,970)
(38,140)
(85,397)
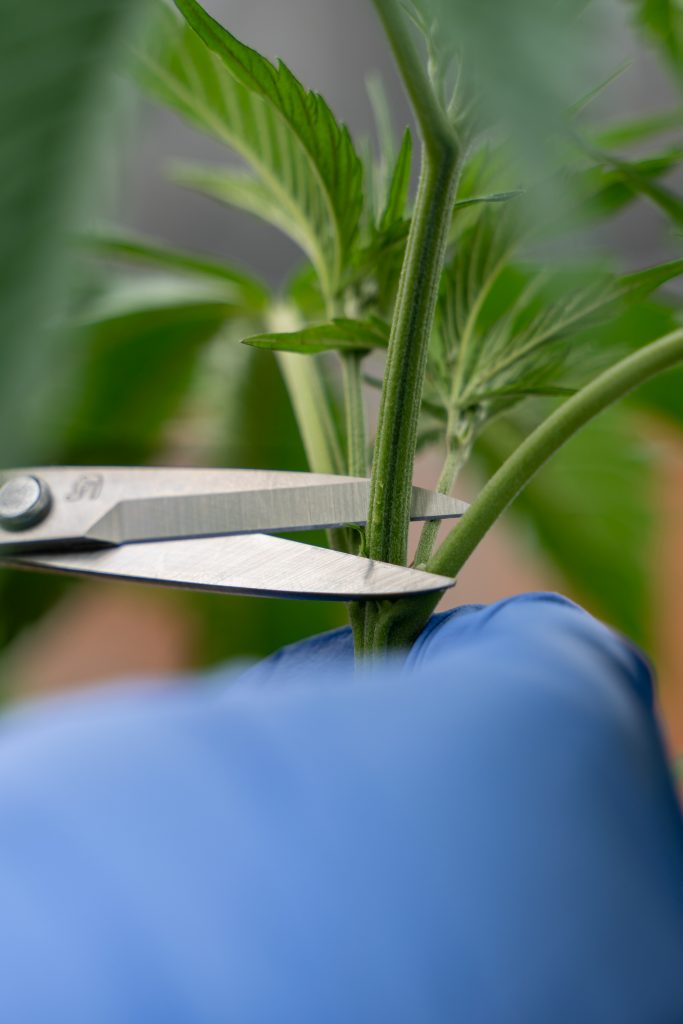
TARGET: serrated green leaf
(505,331)
(303,157)
(521,349)
(245,290)
(338,335)
(399,184)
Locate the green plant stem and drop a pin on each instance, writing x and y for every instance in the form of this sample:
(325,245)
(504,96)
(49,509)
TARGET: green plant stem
(309,400)
(394,453)
(395,445)
(435,128)
(307,394)
(354,411)
(402,621)
(455,460)
(396,441)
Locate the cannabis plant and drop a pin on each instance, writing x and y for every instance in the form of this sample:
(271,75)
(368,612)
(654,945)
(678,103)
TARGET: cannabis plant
(467,309)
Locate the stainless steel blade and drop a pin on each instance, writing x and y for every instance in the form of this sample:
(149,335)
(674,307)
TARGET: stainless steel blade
(117,506)
(256,564)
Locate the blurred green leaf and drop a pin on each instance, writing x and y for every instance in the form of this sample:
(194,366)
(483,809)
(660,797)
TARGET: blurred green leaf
(303,289)
(494,197)
(248,292)
(630,130)
(663,396)
(547,390)
(597,90)
(663,20)
(304,159)
(141,356)
(637,286)
(520,68)
(637,178)
(338,335)
(127,296)
(590,511)
(603,189)
(630,328)
(55,59)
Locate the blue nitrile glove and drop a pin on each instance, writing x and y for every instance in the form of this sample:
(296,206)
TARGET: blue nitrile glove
(487,834)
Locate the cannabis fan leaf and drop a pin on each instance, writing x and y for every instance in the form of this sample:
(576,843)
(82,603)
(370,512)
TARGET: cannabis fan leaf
(308,175)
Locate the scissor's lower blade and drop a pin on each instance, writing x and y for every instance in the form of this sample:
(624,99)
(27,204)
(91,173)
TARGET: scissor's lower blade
(257,564)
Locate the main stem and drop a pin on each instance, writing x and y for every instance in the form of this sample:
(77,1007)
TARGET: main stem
(395,445)
(392,468)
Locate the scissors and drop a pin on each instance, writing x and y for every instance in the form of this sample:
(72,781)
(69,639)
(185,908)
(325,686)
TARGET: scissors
(204,529)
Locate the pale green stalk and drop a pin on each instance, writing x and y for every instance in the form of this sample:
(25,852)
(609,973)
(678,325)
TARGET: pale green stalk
(456,458)
(307,394)
(354,411)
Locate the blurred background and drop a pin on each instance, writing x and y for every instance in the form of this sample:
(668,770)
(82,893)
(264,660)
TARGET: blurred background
(229,407)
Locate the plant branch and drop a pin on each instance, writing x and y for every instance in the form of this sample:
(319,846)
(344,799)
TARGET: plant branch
(455,460)
(546,439)
(435,127)
(399,623)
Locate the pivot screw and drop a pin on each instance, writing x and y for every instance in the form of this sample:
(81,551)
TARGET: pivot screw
(24,502)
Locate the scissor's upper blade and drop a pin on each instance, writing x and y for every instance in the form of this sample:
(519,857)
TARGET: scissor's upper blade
(118,506)
(254,563)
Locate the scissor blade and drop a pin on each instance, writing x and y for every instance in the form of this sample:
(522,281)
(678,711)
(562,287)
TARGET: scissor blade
(256,564)
(117,506)
(303,507)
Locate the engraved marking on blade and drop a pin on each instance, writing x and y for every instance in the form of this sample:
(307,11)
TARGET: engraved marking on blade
(86,488)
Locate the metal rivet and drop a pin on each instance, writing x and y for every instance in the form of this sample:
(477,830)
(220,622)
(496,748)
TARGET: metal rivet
(24,502)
